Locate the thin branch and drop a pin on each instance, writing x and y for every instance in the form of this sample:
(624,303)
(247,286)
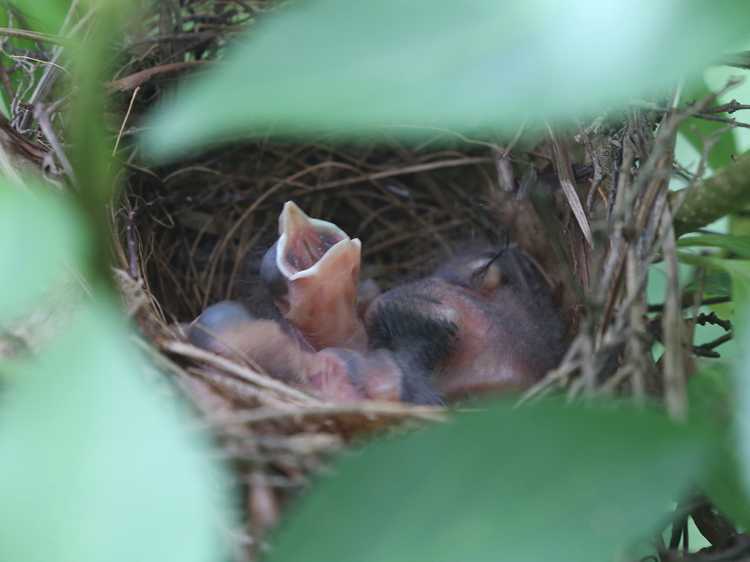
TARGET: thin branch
(565,174)
(687,301)
(714,197)
(675,390)
(42,117)
(714,320)
(33,35)
(729,107)
(728,120)
(137,79)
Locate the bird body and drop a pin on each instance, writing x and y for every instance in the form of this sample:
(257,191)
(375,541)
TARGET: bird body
(507,330)
(333,374)
(485,321)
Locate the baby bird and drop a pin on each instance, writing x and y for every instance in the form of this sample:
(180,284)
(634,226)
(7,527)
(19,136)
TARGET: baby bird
(333,374)
(485,321)
(312,272)
(507,330)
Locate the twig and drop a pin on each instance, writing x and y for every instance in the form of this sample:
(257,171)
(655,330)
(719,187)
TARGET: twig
(728,120)
(34,35)
(243,373)
(565,175)
(132,246)
(713,319)
(400,171)
(729,107)
(42,117)
(137,79)
(675,390)
(713,197)
(713,344)
(687,301)
(125,119)
(50,72)
(369,410)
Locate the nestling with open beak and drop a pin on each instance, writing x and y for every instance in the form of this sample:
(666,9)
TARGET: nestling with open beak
(312,272)
(485,321)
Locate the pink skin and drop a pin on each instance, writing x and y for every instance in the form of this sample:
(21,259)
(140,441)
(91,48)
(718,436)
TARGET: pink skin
(481,362)
(332,374)
(321,266)
(509,332)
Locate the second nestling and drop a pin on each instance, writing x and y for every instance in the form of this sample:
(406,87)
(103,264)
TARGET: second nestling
(482,322)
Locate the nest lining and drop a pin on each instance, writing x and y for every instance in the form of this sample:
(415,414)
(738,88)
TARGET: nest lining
(203,228)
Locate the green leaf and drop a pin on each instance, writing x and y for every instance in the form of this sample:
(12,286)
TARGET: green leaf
(697,131)
(537,483)
(91,141)
(739,245)
(4,108)
(98,461)
(739,271)
(742,398)
(46,16)
(711,393)
(357,67)
(41,241)
(715,283)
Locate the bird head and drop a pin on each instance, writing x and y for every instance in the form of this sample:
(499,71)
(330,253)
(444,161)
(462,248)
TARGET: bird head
(312,272)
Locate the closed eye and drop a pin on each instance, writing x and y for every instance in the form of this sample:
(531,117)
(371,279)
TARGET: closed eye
(480,274)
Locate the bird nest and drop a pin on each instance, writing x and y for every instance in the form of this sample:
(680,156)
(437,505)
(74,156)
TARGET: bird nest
(192,233)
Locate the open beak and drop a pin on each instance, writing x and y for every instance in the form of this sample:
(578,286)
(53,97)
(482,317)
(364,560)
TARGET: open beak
(313,272)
